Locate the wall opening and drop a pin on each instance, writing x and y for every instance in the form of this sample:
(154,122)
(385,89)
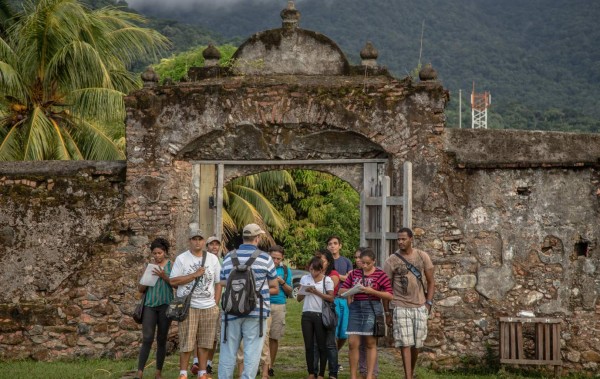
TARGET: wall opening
(582,248)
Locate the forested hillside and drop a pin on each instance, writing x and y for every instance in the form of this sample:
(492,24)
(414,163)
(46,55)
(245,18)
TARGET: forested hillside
(539,58)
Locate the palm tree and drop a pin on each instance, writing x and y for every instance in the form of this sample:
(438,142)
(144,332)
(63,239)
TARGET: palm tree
(63,75)
(246,200)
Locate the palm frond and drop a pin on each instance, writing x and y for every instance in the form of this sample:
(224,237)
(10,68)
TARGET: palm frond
(10,144)
(94,142)
(38,137)
(131,43)
(262,205)
(78,65)
(101,104)
(11,83)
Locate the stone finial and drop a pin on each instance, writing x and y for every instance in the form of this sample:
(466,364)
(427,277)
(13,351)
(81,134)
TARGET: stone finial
(369,55)
(290,16)
(427,73)
(211,56)
(150,77)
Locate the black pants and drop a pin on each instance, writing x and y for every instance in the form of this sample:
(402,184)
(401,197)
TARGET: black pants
(332,353)
(313,330)
(154,318)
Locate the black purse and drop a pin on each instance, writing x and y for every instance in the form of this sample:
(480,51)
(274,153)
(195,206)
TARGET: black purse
(328,315)
(138,312)
(179,307)
(379,325)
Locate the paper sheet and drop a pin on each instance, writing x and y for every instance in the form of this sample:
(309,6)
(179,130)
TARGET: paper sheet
(353,291)
(149,279)
(303,288)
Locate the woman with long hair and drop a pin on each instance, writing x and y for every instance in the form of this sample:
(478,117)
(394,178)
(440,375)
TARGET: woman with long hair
(365,307)
(316,287)
(156,301)
(332,351)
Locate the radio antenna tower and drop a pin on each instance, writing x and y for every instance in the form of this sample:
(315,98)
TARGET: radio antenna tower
(480,102)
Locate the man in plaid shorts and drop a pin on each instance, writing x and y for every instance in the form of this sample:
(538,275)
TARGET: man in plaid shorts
(199,328)
(411,272)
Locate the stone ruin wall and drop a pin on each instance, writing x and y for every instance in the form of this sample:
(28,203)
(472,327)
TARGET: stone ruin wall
(499,211)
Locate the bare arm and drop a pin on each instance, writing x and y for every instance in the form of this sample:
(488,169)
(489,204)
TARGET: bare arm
(273,287)
(325,296)
(218,292)
(430,286)
(286,288)
(384,295)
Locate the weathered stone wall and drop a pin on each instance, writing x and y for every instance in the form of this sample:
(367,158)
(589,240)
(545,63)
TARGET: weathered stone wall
(510,218)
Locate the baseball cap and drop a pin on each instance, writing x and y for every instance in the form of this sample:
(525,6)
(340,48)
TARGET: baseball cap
(213,238)
(196,233)
(252,230)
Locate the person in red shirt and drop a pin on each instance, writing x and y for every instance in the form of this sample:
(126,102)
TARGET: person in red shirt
(365,306)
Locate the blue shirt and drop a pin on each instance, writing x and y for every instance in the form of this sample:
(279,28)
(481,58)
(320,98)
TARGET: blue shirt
(342,265)
(264,270)
(280,298)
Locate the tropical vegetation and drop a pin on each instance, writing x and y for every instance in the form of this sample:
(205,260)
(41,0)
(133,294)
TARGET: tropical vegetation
(63,75)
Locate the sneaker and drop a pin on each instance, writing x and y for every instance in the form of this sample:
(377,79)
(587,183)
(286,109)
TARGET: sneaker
(209,369)
(195,368)
(271,372)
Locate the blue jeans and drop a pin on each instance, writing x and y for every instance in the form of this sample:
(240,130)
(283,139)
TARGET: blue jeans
(248,330)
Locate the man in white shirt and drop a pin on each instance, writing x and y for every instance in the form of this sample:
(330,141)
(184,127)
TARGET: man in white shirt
(200,326)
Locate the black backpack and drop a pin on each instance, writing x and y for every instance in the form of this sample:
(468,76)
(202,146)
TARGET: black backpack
(240,296)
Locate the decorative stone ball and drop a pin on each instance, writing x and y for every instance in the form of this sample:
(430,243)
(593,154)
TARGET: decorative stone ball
(369,51)
(150,75)
(211,52)
(290,14)
(427,73)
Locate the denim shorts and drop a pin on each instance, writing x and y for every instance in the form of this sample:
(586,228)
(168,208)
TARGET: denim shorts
(362,317)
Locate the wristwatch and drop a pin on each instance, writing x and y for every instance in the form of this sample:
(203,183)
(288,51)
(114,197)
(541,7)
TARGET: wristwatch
(429,302)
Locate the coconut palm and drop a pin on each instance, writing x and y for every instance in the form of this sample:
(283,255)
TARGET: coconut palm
(246,200)
(63,75)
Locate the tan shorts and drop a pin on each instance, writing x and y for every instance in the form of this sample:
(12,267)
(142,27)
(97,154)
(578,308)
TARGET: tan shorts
(277,321)
(265,354)
(200,327)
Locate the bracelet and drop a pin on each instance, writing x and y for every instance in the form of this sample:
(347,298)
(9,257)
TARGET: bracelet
(429,302)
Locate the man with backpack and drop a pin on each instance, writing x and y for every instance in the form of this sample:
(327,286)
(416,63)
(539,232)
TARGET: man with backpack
(248,275)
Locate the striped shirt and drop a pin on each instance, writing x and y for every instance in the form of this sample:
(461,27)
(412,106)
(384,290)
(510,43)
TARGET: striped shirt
(377,280)
(264,270)
(161,293)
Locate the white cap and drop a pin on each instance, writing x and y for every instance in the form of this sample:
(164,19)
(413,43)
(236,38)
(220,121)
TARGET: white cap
(252,230)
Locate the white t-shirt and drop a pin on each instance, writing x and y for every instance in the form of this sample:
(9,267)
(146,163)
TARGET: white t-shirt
(313,303)
(204,294)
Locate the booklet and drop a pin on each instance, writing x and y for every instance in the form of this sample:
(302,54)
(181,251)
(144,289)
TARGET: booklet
(149,279)
(353,291)
(304,287)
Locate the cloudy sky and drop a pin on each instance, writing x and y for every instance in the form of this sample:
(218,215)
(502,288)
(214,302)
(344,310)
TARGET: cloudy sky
(202,3)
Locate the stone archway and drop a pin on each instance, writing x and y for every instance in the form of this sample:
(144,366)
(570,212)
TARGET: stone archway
(320,109)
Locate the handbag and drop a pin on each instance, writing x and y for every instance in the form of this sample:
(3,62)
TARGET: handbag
(138,312)
(379,324)
(179,307)
(328,315)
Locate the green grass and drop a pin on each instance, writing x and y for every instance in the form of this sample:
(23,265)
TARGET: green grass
(290,363)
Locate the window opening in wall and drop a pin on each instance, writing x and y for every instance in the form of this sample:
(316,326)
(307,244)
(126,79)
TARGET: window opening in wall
(582,248)
(523,191)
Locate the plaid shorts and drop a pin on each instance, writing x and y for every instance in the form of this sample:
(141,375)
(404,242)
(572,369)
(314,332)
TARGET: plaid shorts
(200,327)
(410,326)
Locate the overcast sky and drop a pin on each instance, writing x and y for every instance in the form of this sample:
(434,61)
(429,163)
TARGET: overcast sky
(203,3)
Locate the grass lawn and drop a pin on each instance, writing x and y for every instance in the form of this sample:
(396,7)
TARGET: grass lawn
(290,363)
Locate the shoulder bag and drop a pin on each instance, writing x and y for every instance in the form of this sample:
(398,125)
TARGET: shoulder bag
(328,315)
(179,307)
(379,325)
(138,312)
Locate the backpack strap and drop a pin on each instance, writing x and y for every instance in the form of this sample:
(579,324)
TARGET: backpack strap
(285,273)
(414,270)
